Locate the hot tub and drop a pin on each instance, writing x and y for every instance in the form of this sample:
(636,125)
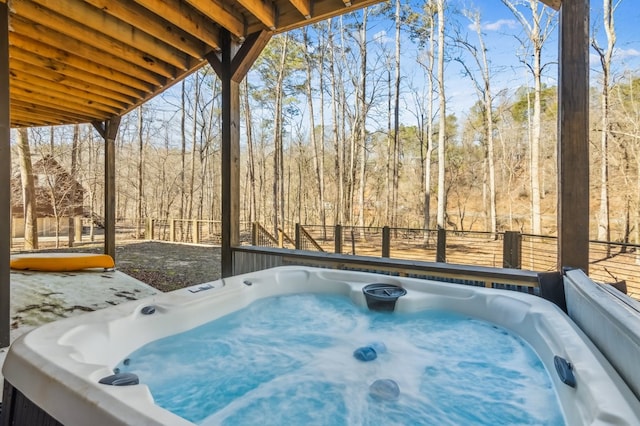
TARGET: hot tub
(54,371)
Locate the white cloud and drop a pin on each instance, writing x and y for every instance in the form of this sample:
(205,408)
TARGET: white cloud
(626,53)
(381,37)
(500,24)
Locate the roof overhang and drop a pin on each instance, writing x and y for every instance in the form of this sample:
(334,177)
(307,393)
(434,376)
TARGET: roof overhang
(80,61)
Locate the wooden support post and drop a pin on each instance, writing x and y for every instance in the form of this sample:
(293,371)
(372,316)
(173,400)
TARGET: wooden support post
(148,232)
(298,238)
(5,180)
(109,131)
(338,239)
(386,241)
(441,250)
(231,67)
(573,136)
(512,250)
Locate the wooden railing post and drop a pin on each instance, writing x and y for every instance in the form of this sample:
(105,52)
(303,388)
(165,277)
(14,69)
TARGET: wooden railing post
(196,231)
(441,251)
(512,250)
(254,234)
(148,232)
(172,230)
(338,239)
(386,241)
(297,237)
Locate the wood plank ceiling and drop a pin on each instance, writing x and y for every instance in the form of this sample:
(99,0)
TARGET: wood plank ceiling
(79,61)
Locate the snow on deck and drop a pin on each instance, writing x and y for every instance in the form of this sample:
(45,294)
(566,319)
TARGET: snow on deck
(38,298)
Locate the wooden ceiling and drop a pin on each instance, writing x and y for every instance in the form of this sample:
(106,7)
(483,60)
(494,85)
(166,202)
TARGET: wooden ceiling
(80,61)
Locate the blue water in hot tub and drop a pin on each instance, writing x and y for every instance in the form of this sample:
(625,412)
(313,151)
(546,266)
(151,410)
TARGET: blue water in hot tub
(288,360)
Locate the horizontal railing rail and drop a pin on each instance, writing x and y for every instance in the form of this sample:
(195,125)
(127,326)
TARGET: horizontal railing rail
(251,259)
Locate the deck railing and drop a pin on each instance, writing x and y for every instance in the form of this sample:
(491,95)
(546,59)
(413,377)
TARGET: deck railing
(609,262)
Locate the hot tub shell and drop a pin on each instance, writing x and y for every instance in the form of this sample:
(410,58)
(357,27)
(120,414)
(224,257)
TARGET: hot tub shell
(56,368)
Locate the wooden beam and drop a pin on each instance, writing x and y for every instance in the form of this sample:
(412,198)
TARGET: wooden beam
(68,63)
(94,43)
(214,10)
(109,131)
(183,16)
(147,21)
(21,90)
(573,136)
(74,13)
(5,181)
(75,91)
(265,11)
(253,45)
(19,119)
(245,57)
(41,112)
(289,18)
(554,4)
(50,37)
(93,86)
(303,6)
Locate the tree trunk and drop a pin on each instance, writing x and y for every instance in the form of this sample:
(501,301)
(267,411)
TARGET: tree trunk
(604,227)
(318,148)
(338,215)
(75,209)
(251,164)
(278,163)
(362,125)
(28,192)
(140,170)
(442,202)
(183,152)
(396,119)
(429,150)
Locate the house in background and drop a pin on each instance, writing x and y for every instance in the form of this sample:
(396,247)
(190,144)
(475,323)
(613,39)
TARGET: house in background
(59,199)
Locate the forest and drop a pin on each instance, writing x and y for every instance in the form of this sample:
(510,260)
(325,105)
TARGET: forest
(406,114)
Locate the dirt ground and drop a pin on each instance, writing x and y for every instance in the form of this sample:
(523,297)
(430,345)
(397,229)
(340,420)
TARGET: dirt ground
(165,266)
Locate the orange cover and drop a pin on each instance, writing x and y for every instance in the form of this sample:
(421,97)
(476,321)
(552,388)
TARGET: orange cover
(62,263)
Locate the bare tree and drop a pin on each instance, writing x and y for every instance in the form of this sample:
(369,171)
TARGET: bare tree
(442,131)
(537,31)
(362,112)
(251,166)
(75,210)
(605,55)
(318,148)
(28,191)
(339,211)
(140,193)
(482,86)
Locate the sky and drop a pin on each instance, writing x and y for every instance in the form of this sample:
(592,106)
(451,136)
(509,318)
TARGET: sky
(502,32)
